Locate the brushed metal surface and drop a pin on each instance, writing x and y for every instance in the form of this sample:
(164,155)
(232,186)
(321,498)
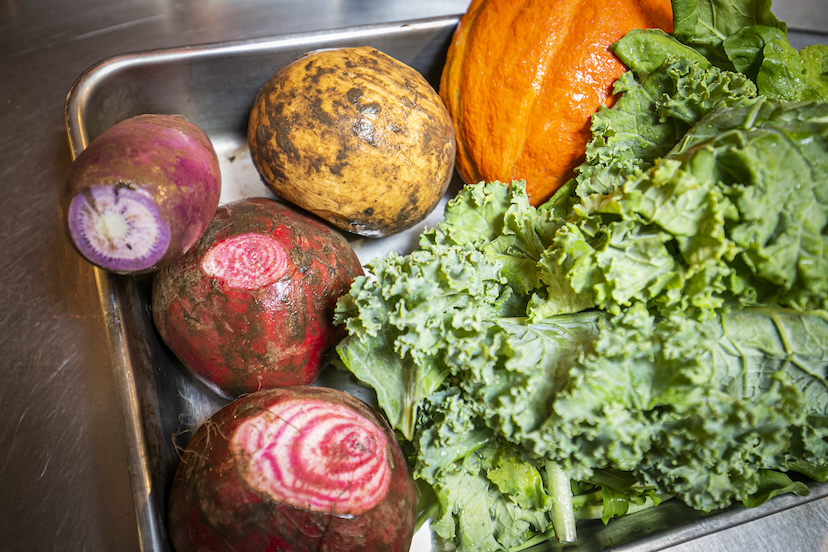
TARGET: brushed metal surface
(64,479)
(213,86)
(63,452)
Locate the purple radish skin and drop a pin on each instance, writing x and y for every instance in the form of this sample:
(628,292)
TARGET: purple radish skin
(141,194)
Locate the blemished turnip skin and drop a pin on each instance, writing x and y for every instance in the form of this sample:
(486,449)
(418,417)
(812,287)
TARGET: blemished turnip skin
(250,306)
(294,470)
(354,136)
(158,176)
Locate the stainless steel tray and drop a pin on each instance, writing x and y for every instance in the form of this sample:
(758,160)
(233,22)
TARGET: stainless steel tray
(214,86)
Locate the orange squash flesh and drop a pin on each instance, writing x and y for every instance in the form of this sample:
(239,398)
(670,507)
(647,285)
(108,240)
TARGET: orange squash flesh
(522,79)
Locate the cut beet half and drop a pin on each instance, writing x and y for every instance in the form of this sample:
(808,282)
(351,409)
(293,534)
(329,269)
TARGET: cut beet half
(296,469)
(247,261)
(251,305)
(119,228)
(314,455)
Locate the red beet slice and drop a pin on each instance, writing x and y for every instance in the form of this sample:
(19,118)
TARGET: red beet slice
(141,193)
(251,305)
(300,469)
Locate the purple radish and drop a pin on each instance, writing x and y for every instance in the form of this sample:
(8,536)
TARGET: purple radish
(141,194)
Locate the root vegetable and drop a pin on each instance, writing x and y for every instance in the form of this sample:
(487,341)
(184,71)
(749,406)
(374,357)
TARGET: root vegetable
(140,195)
(354,136)
(251,305)
(299,469)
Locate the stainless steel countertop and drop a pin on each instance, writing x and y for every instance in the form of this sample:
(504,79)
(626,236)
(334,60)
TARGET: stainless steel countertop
(63,475)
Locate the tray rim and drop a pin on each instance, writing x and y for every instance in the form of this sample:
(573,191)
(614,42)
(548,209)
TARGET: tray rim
(149,532)
(89,78)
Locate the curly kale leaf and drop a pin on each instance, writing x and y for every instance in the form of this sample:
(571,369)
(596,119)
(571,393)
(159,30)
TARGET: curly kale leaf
(706,24)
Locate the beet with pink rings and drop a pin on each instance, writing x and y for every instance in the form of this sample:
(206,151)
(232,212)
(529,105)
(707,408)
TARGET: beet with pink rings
(251,305)
(296,470)
(141,193)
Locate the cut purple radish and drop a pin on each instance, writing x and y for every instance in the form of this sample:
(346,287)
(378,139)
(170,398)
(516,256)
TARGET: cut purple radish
(141,194)
(119,228)
(304,469)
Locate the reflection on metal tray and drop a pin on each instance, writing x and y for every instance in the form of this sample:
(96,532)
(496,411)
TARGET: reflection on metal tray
(214,87)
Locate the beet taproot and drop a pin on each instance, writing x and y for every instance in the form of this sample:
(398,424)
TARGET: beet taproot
(298,469)
(356,137)
(251,305)
(141,194)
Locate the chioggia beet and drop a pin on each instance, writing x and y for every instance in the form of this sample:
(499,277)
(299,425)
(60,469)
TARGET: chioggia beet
(140,195)
(250,306)
(296,469)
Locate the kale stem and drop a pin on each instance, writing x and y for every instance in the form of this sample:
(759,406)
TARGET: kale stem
(589,506)
(429,511)
(563,509)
